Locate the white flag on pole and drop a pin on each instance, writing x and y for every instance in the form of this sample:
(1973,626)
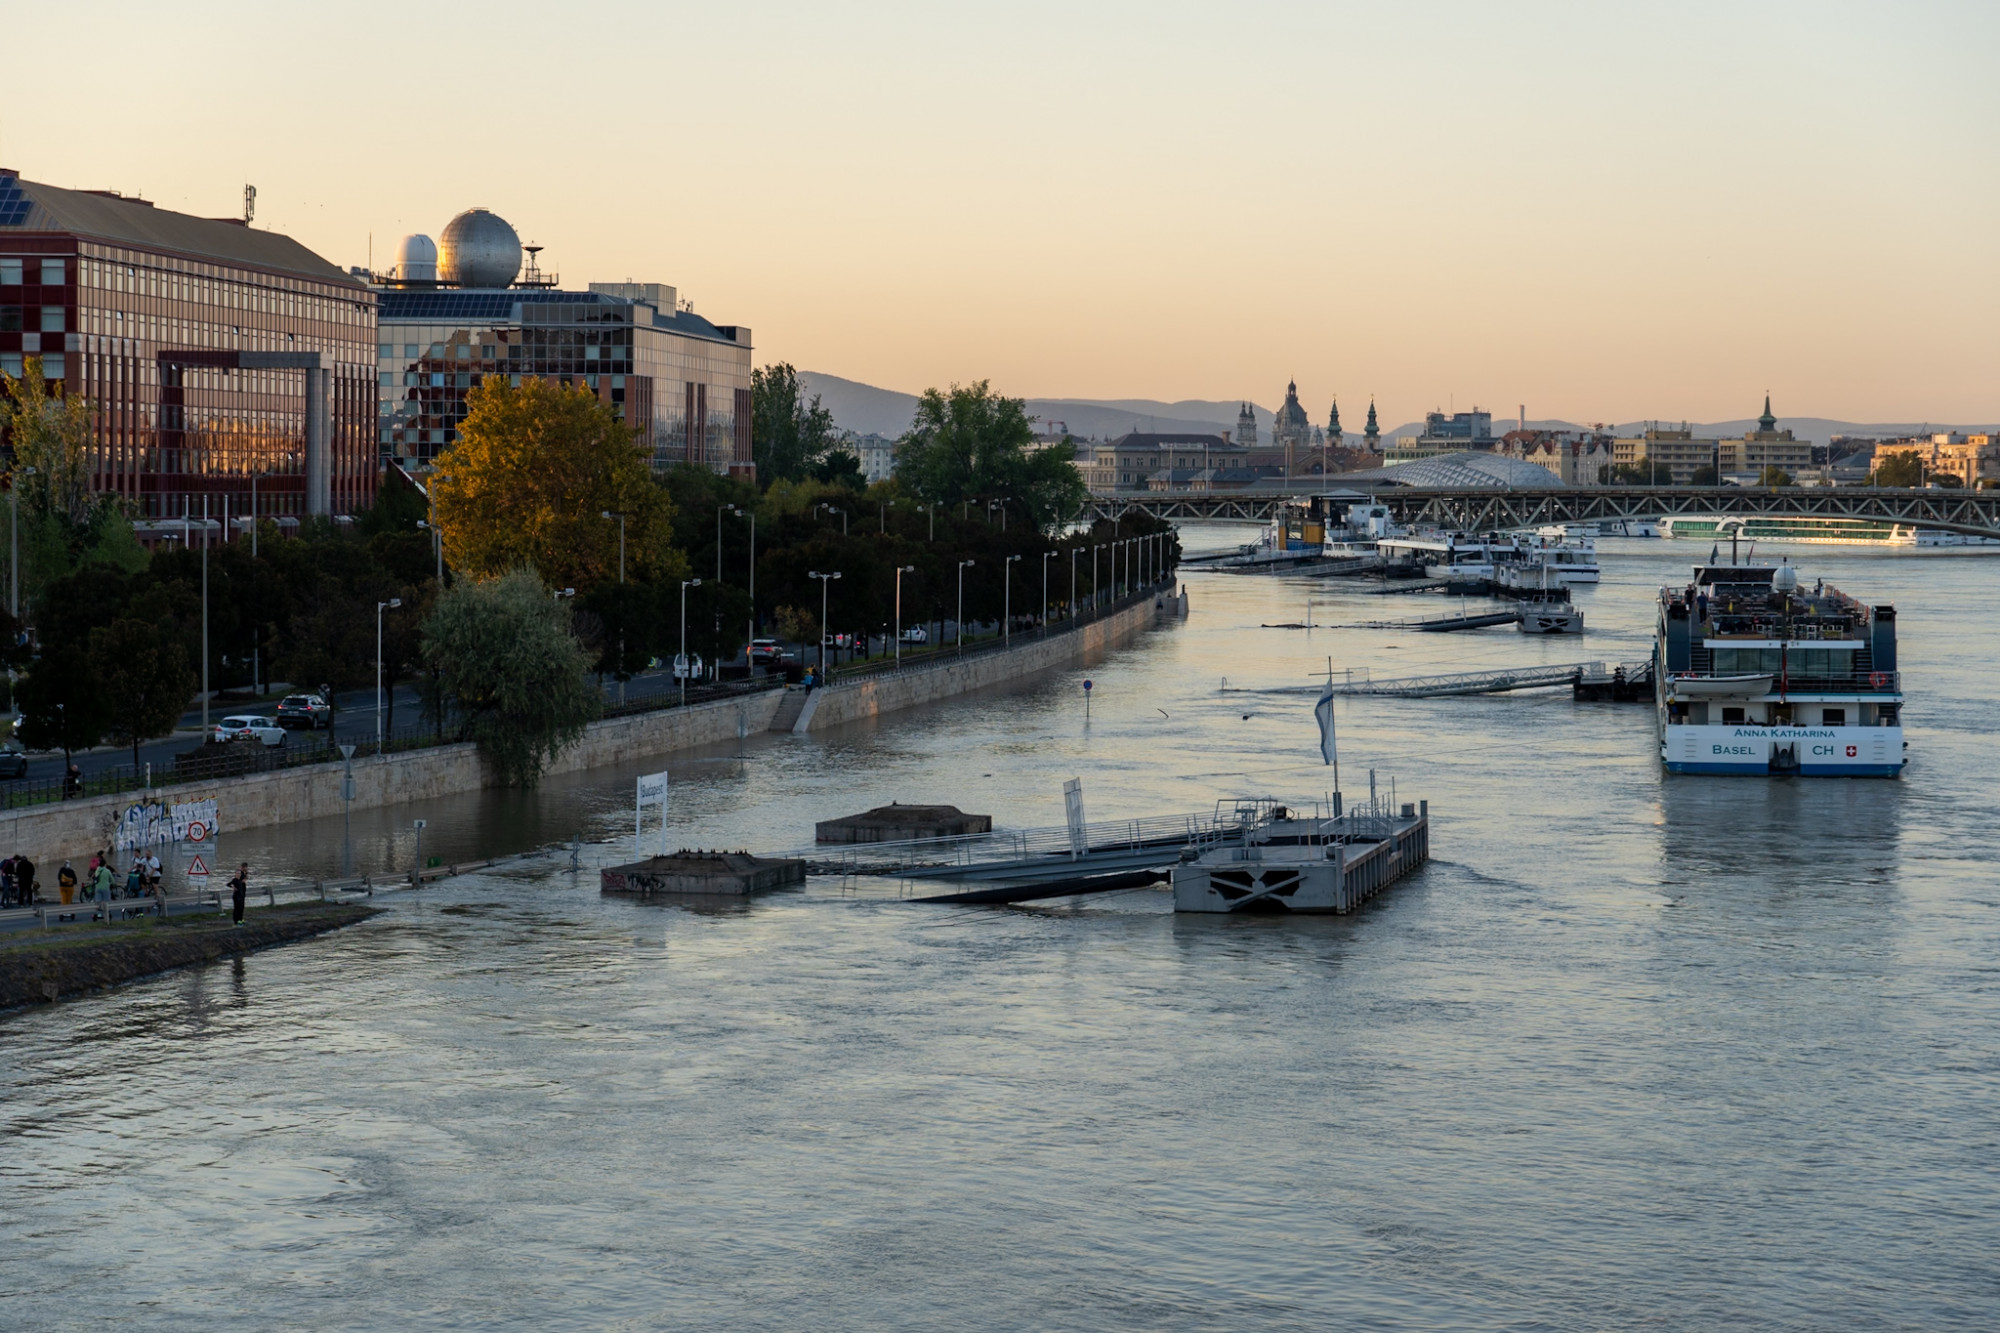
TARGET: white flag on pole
(1323,710)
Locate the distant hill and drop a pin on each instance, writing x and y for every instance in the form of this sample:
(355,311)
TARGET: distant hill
(868,410)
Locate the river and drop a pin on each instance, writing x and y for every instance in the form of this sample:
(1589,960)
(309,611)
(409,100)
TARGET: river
(1632,1051)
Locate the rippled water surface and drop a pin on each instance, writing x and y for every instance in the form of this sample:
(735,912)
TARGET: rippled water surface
(1633,1051)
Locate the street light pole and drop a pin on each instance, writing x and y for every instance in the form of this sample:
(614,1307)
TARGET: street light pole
(204,615)
(1095,600)
(1072,581)
(1046,557)
(1007,600)
(681,664)
(620,515)
(900,571)
(824,580)
(960,647)
(744,513)
(380,607)
(720,511)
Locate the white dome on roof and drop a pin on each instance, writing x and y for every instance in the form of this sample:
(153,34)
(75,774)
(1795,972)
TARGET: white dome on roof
(417,259)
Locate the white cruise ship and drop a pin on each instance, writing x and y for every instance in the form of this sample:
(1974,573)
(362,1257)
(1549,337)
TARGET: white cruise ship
(1757,675)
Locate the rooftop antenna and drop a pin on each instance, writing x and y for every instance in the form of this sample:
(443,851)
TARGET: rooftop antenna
(249,204)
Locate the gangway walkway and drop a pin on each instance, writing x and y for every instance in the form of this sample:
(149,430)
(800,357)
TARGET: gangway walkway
(1467,682)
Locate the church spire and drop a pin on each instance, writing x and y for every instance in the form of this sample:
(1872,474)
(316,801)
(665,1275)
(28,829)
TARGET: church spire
(1373,434)
(1334,435)
(1767,422)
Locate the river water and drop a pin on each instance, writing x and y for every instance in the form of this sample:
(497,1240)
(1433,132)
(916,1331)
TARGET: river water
(1633,1051)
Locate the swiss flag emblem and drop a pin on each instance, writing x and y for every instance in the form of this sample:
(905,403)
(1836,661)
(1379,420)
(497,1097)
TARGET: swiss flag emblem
(1853,750)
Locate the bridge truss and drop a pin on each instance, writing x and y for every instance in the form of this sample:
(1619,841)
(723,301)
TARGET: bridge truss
(1973,513)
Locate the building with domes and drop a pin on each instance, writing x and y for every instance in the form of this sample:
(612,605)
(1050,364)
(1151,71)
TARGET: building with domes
(461,310)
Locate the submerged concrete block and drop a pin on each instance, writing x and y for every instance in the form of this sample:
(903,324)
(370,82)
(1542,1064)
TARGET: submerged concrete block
(723,873)
(897,822)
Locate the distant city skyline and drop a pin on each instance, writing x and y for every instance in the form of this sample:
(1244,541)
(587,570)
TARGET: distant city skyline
(1607,210)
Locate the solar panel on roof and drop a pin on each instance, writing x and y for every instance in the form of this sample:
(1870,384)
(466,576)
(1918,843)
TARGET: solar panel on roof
(14,205)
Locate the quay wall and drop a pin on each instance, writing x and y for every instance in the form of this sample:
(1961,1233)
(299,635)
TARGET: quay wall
(839,704)
(75,829)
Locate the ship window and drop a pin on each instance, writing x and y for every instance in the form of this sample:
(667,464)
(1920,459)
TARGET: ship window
(1833,717)
(1732,716)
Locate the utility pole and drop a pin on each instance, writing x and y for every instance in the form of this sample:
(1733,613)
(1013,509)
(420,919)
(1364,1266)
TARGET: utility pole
(900,571)
(824,581)
(620,515)
(204,612)
(1007,600)
(380,607)
(1046,557)
(682,667)
(962,566)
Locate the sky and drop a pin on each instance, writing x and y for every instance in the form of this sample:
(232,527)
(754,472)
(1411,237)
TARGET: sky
(1602,211)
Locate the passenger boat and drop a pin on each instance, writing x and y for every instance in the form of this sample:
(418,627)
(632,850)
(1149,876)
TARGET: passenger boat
(1757,675)
(1452,555)
(1569,559)
(1814,529)
(1360,532)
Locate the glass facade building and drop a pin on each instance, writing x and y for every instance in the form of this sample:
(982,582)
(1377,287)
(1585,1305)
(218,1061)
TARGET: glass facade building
(682,383)
(145,312)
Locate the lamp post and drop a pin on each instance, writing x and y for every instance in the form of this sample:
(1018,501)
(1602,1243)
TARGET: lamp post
(14,540)
(719,512)
(620,515)
(681,663)
(931,511)
(204,614)
(900,571)
(834,509)
(963,565)
(1072,581)
(1007,600)
(380,607)
(1046,557)
(824,580)
(1095,601)
(745,513)
(437,537)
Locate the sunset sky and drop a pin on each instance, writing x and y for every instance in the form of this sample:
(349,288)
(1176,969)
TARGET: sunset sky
(1603,210)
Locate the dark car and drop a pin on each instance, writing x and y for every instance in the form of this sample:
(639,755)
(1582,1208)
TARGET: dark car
(13,762)
(304,710)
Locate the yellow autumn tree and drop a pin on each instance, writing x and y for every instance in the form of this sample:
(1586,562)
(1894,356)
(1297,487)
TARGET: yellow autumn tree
(535,468)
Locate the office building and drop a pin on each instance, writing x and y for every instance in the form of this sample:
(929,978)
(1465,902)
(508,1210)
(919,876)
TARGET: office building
(221,360)
(458,311)
(1684,452)
(1129,462)
(1442,435)
(1746,459)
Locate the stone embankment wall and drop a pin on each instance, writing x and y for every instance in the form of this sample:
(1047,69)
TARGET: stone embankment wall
(75,829)
(839,704)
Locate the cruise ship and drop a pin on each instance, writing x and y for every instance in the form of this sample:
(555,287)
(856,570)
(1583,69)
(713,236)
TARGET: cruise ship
(1814,529)
(1758,675)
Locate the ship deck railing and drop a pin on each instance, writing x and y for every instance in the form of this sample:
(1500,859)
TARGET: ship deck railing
(1860,682)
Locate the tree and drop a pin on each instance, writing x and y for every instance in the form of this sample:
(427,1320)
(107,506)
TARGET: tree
(1705,476)
(63,704)
(971,443)
(51,437)
(839,467)
(145,679)
(505,655)
(533,472)
(787,434)
(1774,476)
(1904,468)
(1645,472)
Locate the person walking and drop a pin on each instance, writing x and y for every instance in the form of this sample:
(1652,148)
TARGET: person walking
(103,882)
(152,870)
(66,884)
(239,889)
(24,881)
(72,782)
(7,881)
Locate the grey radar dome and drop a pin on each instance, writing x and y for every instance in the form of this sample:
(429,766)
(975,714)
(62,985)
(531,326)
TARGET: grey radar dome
(479,249)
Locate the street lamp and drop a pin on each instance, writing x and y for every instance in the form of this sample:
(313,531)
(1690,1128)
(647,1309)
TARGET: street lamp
(745,513)
(900,571)
(681,664)
(931,510)
(621,515)
(1007,600)
(1095,600)
(1046,557)
(963,565)
(824,580)
(560,593)
(1072,581)
(719,512)
(14,538)
(1001,505)
(833,509)
(380,607)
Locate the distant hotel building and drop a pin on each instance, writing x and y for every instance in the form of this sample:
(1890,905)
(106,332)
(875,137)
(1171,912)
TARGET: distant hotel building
(203,344)
(1443,435)
(458,311)
(1739,461)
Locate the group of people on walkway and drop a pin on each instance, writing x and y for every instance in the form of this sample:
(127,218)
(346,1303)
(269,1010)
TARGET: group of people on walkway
(100,882)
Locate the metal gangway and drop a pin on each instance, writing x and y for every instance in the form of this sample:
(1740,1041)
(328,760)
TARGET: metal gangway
(1100,848)
(1498,681)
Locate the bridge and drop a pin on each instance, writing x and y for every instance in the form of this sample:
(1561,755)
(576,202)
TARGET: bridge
(1973,513)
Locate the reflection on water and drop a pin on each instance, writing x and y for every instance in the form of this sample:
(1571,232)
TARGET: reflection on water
(1633,1051)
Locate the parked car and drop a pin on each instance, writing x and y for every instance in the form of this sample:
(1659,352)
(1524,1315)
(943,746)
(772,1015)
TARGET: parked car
(838,641)
(13,761)
(687,668)
(304,710)
(766,652)
(916,634)
(248,727)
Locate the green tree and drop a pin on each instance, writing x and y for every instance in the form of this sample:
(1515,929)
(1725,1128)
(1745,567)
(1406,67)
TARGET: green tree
(1705,476)
(145,679)
(973,444)
(1645,472)
(534,470)
(1774,476)
(50,434)
(787,434)
(1904,468)
(63,703)
(507,658)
